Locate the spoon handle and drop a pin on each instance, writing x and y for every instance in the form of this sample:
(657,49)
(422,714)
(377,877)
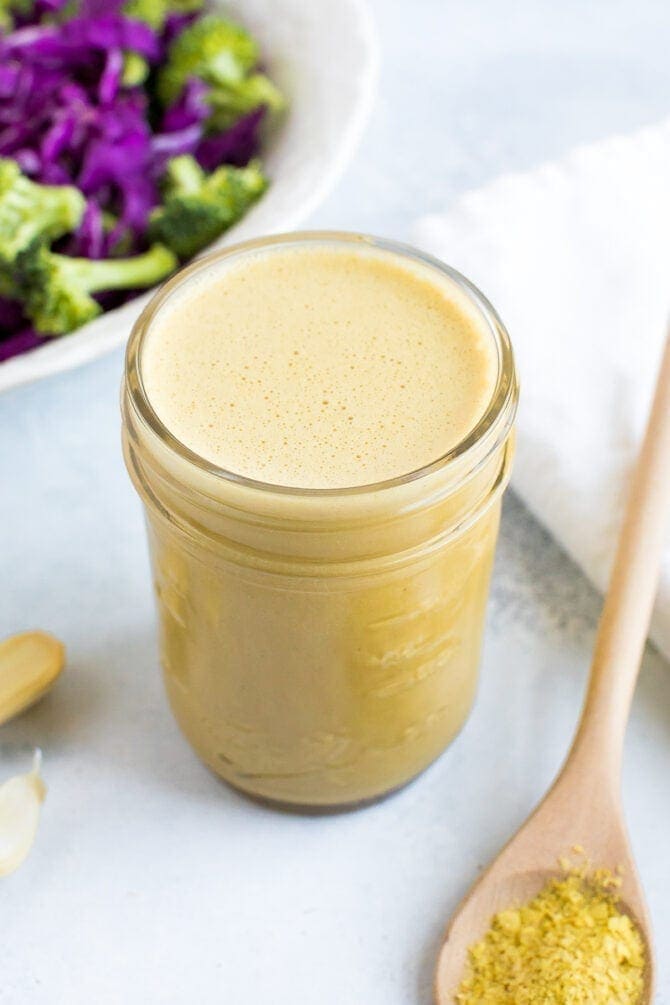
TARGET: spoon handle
(624,622)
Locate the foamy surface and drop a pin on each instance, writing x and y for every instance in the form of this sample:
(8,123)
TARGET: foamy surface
(319,366)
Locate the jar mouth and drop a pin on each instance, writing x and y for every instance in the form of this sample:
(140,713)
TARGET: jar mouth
(498,414)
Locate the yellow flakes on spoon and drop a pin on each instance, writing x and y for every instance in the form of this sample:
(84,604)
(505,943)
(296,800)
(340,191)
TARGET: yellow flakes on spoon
(20,800)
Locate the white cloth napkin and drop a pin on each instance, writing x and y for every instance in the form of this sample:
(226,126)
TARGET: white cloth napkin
(575,256)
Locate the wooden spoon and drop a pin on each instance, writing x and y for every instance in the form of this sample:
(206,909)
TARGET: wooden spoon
(583,807)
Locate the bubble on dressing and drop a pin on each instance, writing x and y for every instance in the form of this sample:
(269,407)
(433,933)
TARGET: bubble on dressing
(319,366)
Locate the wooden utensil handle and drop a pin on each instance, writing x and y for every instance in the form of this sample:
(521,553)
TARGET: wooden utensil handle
(633,583)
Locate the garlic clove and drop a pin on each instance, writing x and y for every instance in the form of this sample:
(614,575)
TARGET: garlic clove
(29,664)
(20,800)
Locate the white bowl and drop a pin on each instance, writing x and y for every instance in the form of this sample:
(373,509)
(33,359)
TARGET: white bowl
(323,54)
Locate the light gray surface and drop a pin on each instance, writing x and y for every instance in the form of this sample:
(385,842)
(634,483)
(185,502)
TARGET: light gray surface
(151,882)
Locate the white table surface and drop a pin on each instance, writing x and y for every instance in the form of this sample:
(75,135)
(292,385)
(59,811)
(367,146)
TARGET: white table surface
(151,882)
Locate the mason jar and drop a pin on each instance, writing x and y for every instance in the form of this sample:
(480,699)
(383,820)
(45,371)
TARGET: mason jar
(320,647)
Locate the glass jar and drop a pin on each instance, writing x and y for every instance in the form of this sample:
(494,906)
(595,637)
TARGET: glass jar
(320,647)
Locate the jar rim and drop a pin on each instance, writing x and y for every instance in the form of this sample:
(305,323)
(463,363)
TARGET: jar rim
(500,409)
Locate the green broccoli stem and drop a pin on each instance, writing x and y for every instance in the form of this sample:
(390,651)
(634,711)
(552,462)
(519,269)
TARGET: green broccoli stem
(122,273)
(184,175)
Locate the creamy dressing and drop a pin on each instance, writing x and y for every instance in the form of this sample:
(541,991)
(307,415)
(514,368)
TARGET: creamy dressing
(319,367)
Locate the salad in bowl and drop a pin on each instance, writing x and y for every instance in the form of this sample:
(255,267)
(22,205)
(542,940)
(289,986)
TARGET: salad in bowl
(129,135)
(135,134)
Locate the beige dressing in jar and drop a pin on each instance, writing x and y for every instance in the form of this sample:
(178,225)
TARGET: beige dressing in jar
(319,426)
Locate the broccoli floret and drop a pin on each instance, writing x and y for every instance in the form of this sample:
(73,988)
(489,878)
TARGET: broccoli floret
(8,10)
(213,49)
(155,12)
(135,69)
(30,212)
(152,12)
(56,290)
(198,207)
(223,55)
(230,101)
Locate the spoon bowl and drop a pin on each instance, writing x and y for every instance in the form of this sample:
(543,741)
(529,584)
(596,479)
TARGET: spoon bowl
(555,832)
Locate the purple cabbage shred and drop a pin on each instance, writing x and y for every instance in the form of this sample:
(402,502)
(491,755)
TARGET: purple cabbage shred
(236,145)
(19,342)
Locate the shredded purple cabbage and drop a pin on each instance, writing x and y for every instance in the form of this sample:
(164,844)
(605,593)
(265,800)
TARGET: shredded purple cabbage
(72,44)
(19,342)
(190,109)
(175,24)
(236,145)
(90,240)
